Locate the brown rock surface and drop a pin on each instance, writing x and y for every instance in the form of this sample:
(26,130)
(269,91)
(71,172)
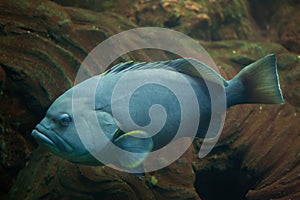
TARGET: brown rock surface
(279,21)
(41,47)
(259,145)
(49,177)
(201,19)
(205,20)
(36,50)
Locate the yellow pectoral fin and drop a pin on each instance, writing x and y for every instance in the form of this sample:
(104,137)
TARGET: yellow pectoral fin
(136,145)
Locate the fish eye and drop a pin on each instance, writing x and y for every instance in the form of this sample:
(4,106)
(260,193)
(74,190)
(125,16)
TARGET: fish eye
(64,119)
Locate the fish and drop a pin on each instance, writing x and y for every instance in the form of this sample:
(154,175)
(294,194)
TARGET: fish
(257,83)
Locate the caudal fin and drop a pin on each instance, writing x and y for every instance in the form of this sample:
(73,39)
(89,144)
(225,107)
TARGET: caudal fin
(256,83)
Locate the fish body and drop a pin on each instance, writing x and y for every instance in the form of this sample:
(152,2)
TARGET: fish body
(256,83)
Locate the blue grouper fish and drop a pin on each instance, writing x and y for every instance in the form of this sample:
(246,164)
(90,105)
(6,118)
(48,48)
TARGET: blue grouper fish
(256,83)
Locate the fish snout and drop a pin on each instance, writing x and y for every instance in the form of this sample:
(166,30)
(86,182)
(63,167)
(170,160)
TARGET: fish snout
(39,134)
(51,139)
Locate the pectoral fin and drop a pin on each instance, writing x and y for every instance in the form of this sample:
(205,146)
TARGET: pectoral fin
(136,145)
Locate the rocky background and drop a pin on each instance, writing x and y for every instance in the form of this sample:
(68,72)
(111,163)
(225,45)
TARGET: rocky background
(42,44)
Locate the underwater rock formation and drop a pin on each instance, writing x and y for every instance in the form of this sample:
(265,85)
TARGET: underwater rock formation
(272,20)
(41,47)
(50,177)
(278,21)
(257,155)
(201,19)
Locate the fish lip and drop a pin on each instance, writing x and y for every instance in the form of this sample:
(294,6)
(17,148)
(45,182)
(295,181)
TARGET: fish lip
(51,139)
(42,137)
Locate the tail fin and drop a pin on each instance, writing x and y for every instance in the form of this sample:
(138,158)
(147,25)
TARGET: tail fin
(256,83)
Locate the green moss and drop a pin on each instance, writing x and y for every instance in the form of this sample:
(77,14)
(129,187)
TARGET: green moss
(153,181)
(107,4)
(51,9)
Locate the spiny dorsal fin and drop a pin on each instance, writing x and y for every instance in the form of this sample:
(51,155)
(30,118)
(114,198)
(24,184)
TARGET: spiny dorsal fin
(188,66)
(196,68)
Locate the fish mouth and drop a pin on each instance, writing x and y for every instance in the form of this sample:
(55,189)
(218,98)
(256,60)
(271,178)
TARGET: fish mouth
(43,138)
(51,139)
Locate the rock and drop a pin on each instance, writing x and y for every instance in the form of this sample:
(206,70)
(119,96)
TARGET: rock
(14,152)
(205,20)
(289,31)
(50,177)
(47,176)
(257,155)
(54,39)
(41,48)
(2,80)
(279,21)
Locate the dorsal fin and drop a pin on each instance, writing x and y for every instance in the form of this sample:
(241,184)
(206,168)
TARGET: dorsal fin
(196,68)
(126,66)
(188,66)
